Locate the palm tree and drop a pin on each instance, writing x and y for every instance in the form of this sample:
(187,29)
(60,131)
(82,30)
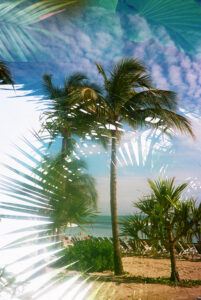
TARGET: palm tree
(70,111)
(70,114)
(5,74)
(164,217)
(129,98)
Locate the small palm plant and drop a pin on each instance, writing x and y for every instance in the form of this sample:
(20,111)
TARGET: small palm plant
(164,218)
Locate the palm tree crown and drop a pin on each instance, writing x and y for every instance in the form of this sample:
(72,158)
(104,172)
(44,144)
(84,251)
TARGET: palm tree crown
(70,110)
(129,97)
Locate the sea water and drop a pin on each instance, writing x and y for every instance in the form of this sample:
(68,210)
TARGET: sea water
(101,226)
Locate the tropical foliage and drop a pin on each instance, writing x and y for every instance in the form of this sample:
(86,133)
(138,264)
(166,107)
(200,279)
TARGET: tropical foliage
(178,19)
(54,189)
(71,110)
(19,22)
(92,255)
(165,218)
(5,74)
(129,98)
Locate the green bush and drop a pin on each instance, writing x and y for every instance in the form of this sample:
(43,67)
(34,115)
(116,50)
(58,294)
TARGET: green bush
(91,255)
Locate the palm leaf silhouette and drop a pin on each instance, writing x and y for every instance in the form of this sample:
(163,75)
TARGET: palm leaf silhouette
(20,24)
(180,19)
(5,74)
(34,190)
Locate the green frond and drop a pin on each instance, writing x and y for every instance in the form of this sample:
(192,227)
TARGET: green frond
(127,66)
(152,98)
(74,110)
(129,97)
(124,78)
(174,121)
(133,226)
(55,189)
(165,217)
(19,20)
(74,81)
(160,118)
(5,74)
(165,193)
(51,91)
(102,72)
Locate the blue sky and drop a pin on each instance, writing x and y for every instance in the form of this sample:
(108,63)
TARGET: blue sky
(165,36)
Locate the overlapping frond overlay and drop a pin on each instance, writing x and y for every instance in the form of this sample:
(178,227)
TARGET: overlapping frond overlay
(32,192)
(25,24)
(181,20)
(21,27)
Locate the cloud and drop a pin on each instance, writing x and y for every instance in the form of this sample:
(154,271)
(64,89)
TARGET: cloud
(95,36)
(170,67)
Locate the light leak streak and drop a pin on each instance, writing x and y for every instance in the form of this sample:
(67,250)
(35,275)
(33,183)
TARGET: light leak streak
(135,151)
(59,290)
(123,156)
(128,152)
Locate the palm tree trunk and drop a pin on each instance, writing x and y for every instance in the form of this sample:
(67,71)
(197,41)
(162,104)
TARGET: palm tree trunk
(118,267)
(64,145)
(174,273)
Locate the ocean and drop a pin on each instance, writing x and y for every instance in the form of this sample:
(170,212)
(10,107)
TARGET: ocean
(101,227)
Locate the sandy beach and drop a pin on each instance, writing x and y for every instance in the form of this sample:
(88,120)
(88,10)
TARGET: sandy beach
(148,267)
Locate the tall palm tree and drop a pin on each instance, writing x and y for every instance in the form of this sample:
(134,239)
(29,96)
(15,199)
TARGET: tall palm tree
(69,114)
(5,74)
(164,217)
(128,97)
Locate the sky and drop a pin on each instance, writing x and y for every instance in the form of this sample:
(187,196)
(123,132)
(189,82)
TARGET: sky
(164,34)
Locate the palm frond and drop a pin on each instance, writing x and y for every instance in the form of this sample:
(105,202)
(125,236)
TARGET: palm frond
(19,26)
(125,76)
(75,80)
(73,110)
(166,120)
(5,74)
(180,20)
(133,225)
(104,75)
(51,91)
(153,97)
(39,191)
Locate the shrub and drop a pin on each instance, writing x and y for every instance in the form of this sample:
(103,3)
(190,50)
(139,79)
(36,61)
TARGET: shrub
(91,255)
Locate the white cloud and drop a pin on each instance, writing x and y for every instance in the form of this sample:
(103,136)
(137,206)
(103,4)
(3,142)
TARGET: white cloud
(95,36)
(171,67)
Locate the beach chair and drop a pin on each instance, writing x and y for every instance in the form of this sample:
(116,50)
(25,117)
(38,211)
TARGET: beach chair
(146,246)
(125,247)
(188,249)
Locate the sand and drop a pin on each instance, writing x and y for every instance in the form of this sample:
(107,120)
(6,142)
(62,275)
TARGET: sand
(149,267)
